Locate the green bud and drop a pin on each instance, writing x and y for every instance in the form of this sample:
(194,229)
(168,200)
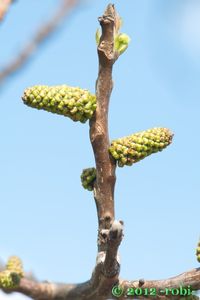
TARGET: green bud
(88,178)
(121,43)
(97,36)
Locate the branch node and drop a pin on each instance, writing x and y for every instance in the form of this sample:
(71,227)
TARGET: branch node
(141,282)
(116,230)
(104,233)
(100,258)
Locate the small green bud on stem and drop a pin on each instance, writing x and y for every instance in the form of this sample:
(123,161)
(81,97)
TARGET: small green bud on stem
(88,177)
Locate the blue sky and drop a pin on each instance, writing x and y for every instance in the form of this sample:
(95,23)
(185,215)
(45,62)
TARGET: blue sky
(47,218)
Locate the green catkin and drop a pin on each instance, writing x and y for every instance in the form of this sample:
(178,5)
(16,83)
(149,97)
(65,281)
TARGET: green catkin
(72,102)
(15,264)
(10,277)
(133,148)
(88,177)
(198,252)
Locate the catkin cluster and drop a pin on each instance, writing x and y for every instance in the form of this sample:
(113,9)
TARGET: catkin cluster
(15,264)
(88,177)
(73,102)
(133,148)
(10,277)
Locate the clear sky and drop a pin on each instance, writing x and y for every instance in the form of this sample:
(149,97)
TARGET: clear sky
(47,218)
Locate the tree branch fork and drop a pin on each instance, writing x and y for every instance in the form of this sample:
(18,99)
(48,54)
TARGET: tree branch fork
(110,231)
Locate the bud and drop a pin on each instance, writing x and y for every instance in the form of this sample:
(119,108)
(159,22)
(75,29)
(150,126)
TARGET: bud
(97,36)
(122,41)
(88,177)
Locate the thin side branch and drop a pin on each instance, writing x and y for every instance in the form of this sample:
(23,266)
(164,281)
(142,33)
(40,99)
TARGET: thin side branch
(4,6)
(34,289)
(43,33)
(188,279)
(111,264)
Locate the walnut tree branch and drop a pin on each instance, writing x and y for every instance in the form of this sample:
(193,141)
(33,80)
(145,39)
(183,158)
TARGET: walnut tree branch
(41,35)
(106,271)
(4,6)
(99,287)
(99,136)
(190,278)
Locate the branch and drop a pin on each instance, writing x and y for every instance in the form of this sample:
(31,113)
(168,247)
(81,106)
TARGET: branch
(188,279)
(104,276)
(99,136)
(43,33)
(100,288)
(4,6)
(111,263)
(106,272)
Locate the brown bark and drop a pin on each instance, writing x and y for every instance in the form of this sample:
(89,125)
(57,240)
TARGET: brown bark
(99,287)
(99,136)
